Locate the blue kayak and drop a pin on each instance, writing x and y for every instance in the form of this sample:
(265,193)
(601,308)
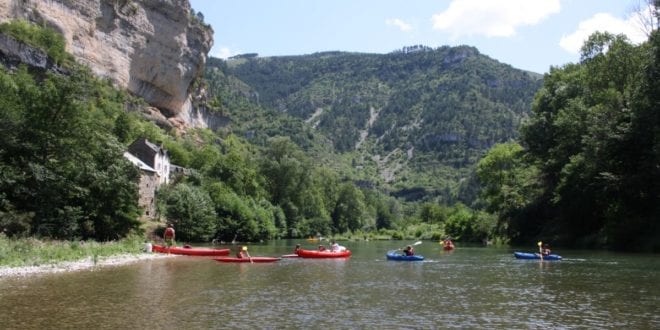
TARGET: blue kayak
(525,255)
(394,255)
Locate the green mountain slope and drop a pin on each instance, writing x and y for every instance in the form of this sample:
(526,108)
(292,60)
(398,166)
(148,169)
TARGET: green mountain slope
(417,119)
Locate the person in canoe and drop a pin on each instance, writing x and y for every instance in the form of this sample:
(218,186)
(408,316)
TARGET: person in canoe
(242,253)
(296,249)
(409,251)
(447,244)
(545,250)
(334,247)
(321,248)
(169,235)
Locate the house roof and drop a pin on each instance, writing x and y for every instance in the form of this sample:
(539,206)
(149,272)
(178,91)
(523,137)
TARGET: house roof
(154,146)
(137,162)
(146,151)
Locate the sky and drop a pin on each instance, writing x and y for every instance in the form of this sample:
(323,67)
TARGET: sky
(527,34)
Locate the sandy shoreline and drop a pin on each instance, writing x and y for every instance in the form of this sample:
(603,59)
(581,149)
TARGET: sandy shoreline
(83,264)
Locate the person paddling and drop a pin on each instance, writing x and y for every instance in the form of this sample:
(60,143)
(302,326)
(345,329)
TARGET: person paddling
(242,252)
(545,251)
(409,251)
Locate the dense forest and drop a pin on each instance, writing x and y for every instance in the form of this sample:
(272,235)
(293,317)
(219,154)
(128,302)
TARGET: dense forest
(586,169)
(419,143)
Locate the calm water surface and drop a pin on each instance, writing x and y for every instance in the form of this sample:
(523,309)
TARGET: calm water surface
(471,287)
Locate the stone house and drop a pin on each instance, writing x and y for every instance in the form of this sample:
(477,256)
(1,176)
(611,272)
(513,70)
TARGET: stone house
(154,164)
(153,155)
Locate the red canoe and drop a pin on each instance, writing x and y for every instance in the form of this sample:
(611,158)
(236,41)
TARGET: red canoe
(190,251)
(323,254)
(252,259)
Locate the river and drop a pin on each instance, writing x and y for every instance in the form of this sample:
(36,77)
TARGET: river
(471,287)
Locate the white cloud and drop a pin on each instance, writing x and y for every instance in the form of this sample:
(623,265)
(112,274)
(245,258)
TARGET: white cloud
(492,18)
(403,26)
(605,23)
(223,53)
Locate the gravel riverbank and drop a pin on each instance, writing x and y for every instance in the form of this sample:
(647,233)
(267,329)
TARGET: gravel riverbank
(83,264)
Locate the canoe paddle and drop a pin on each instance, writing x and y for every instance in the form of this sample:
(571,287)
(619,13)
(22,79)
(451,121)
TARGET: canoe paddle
(413,244)
(540,249)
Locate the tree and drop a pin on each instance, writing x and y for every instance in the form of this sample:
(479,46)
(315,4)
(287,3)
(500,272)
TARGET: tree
(288,175)
(191,211)
(349,210)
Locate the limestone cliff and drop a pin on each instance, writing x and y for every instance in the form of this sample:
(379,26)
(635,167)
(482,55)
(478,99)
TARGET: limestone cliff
(154,48)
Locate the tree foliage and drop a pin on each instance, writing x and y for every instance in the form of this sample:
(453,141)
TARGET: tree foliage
(65,176)
(191,211)
(588,172)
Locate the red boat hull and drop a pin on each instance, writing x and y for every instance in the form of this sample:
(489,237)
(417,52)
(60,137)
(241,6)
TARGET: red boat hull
(323,254)
(250,260)
(192,251)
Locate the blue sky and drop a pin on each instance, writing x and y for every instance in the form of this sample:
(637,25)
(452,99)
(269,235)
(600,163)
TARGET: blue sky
(527,34)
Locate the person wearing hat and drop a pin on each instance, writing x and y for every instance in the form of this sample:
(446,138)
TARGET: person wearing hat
(242,252)
(168,235)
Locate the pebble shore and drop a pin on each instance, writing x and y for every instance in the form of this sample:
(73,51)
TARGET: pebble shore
(83,264)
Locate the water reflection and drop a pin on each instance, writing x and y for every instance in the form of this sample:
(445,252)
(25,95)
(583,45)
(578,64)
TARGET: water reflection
(470,287)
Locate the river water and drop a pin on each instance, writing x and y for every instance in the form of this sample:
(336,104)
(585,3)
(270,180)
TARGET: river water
(471,287)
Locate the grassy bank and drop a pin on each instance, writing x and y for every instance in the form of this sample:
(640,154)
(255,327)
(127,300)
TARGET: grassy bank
(34,252)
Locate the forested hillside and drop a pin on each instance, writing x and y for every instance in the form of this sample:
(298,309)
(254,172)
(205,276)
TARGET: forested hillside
(63,175)
(414,121)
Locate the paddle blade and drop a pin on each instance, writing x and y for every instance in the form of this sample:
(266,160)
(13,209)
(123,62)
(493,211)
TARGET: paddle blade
(417,243)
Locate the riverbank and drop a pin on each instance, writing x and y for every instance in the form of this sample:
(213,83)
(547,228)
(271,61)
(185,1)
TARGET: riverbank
(27,256)
(79,265)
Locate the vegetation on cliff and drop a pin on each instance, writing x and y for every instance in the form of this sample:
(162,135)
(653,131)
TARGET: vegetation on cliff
(45,39)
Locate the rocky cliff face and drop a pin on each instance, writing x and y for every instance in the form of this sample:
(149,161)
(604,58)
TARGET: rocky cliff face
(154,48)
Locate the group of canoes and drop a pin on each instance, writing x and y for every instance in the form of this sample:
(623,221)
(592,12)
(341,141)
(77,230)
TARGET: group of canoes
(222,255)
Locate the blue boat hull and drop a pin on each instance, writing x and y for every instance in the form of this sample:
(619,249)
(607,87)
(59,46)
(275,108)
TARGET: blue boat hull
(525,255)
(392,255)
